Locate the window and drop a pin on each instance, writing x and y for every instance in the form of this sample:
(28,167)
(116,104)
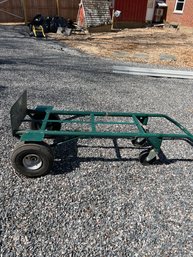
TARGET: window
(179,7)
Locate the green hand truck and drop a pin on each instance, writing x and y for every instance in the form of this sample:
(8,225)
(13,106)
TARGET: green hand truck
(33,156)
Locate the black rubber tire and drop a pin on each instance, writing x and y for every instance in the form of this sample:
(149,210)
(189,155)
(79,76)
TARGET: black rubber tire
(142,158)
(35,125)
(41,151)
(137,143)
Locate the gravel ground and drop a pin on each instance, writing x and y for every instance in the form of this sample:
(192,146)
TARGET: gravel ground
(98,199)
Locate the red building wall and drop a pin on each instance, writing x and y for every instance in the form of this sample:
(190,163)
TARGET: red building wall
(185,18)
(131,10)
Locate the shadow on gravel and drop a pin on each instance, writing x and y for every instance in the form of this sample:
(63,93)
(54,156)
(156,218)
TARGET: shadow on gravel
(3,61)
(67,160)
(37,64)
(2,88)
(164,160)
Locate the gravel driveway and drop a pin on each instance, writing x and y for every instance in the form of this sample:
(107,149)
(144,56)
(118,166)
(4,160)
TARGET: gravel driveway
(98,199)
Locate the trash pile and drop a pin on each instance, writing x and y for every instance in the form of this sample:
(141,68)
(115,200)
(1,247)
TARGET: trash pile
(41,25)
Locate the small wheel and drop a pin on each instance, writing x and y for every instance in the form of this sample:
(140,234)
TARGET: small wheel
(32,159)
(144,160)
(35,125)
(137,142)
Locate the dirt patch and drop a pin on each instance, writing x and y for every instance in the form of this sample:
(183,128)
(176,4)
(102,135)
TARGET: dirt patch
(163,46)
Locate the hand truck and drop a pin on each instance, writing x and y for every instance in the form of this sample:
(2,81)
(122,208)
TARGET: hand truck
(33,157)
(38,31)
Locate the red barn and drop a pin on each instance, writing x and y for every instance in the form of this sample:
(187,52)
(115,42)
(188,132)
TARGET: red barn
(96,12)
(133,12)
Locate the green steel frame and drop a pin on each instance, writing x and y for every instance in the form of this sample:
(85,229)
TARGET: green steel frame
(21,114)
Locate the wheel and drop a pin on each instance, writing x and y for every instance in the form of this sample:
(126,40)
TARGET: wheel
(147,158)
(32,159)
(35,125)
(137,142)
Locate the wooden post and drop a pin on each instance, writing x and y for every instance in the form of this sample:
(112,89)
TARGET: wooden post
(58,7)
(23,4)
(113,19)
(72,10)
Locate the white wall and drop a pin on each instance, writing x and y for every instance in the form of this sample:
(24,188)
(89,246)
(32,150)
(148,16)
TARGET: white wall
(150,10)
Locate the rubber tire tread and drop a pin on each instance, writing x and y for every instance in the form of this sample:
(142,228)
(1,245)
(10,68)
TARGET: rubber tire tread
(42,149)
(142,158)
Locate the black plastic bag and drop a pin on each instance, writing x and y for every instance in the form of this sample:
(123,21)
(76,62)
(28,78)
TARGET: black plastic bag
(38,20)
(57,22)
(46,24)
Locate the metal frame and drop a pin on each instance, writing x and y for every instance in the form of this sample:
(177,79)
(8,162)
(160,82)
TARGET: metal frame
(21,114)
(38,29)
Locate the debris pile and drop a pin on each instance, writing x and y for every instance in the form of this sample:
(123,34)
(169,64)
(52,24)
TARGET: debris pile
(41,25)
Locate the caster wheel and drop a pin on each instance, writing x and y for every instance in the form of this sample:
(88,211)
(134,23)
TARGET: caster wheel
(146,158)
(32,159)
(138,142)
(35,125)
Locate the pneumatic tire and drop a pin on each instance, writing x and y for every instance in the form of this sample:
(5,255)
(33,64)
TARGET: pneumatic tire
(32,159)
(143,158)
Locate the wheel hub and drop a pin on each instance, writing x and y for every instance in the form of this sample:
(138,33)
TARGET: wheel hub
(32,162)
